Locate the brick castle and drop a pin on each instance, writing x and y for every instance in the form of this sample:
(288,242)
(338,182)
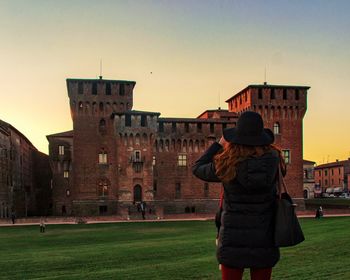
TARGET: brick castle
(116,156)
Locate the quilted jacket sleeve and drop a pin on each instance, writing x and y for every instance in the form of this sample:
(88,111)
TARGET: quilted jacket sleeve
(204,167)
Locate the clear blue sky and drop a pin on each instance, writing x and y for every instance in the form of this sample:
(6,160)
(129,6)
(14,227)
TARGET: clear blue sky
(196,51)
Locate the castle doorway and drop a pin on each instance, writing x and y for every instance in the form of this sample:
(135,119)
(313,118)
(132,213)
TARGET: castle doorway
(137,193)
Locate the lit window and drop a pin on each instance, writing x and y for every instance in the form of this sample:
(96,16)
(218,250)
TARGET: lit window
(182,160)
(65,174)
(67,192)
(61,150)
(102,189)
(286,156)
(276,128)
(154,160)
(102,158)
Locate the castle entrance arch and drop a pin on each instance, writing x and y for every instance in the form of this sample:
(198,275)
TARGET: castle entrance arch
(137,193)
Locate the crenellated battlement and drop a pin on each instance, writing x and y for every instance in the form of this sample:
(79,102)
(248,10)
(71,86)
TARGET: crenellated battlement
(271,101)
(99,97)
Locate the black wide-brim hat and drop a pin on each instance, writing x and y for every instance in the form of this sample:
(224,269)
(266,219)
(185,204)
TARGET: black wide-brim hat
(249,131)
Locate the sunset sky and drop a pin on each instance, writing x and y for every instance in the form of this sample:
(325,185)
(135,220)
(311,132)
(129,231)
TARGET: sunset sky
(200,53)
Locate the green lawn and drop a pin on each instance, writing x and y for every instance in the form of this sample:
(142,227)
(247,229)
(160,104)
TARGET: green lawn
(165,250)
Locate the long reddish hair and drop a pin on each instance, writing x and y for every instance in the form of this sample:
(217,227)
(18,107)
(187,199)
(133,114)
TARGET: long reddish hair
(227,160)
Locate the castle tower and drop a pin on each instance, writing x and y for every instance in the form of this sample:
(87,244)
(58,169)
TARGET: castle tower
(282,109)
(92,102)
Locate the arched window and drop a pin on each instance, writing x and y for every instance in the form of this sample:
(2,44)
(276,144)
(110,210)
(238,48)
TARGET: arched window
(137,139)
(103,188)
(102,126)
(276,128)
(137,193)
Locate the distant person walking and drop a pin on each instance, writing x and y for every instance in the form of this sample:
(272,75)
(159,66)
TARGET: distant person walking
(13,217)
(42,224)
(143,209)
(247,164)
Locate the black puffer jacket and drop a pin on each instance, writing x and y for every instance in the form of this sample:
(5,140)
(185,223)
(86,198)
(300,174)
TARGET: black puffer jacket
(246,233)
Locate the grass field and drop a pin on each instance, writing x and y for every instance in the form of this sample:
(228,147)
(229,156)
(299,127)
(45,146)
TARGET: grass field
(165,250)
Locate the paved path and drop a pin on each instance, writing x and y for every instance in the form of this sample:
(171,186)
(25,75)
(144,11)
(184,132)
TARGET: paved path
(4,223)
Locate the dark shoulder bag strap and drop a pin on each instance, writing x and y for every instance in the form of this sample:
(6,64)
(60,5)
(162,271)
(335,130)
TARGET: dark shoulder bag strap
(281,183)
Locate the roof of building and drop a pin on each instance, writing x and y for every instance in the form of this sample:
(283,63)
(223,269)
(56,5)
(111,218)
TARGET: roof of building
(308,161)
(267,86)
(99,80)
(194,120)
(332,164)
(212,111)
(68,133)
(10,127)
(135,112)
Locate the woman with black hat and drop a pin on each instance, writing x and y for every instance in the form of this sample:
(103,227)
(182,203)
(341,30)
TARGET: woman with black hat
(246,162)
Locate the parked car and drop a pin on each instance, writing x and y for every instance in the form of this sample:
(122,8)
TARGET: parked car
(344,195)
(332,195)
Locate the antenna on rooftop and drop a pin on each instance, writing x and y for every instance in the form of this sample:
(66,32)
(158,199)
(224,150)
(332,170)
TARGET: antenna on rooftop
(100,69)
(265,82)
(219,100)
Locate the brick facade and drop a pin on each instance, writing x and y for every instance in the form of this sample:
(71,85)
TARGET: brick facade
(19,182)
(117,156)
(333,177)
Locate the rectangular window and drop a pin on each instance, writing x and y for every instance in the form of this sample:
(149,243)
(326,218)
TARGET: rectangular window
(173,127)
(61,150)
(272,93)
(80,88)
(284,94)
(338,170)
(325,172)
(332,172)
(211,128)
(260,93)
(102,158)
(182,160)
(121,90)
(325,182)
(94,88)
(319,173)
(286,156)
(143,120)
(137,156)
(161,127)
(65,174)
(187,127)
(296,94)
(178,191)
(108,89)
(128,120)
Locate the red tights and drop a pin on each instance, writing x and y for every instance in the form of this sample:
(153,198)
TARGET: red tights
(237,273)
